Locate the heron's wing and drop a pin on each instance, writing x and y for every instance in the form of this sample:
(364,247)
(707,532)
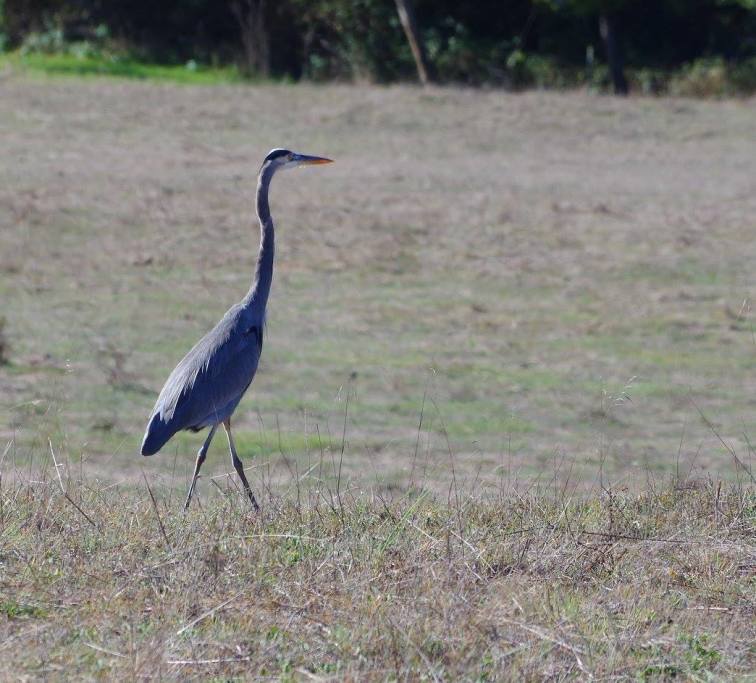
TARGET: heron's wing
(216,376)
(210,378)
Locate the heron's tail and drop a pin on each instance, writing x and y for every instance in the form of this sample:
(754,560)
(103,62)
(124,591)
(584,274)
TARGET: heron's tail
(157,435)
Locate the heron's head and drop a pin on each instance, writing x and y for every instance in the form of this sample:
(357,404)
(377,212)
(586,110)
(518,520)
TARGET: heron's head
(279,159)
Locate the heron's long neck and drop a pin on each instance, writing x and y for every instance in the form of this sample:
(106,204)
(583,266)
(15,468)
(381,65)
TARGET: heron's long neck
(258,292)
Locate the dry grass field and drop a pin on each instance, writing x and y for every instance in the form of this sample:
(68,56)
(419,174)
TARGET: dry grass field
(503,425)
(516,585)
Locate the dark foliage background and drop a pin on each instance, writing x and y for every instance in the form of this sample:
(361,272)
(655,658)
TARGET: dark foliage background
(513,42)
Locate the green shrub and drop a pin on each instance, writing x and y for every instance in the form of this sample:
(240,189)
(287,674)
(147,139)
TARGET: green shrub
(743,76)
(648,81)
(702,78)
(52,41)
(3,34)
(714,77)
(547,72)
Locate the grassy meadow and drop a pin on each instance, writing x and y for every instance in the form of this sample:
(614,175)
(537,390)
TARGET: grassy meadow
(503,424)
(104,584)
(541,277)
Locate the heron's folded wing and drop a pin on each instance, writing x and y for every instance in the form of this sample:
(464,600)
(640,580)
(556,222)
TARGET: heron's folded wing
(210,377)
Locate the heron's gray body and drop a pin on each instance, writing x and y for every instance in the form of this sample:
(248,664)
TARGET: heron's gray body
(206,386)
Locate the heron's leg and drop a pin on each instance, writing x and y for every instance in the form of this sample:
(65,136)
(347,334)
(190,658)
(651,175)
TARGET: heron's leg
(238,464)
(201,455)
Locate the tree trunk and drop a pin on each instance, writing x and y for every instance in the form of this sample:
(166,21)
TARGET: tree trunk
(610,36)
(407,18)
(250,15)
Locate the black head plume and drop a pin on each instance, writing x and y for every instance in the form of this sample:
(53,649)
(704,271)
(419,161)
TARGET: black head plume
(276,153)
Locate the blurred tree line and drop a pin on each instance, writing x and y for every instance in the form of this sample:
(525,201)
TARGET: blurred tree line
(516,43)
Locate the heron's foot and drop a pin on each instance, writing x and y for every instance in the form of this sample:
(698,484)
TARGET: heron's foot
(252,500)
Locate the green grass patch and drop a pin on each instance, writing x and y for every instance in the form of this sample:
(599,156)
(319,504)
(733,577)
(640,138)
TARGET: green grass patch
(252,445)
(15,610)
(190,73)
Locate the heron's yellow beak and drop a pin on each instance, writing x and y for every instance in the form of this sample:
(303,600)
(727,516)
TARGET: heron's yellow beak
(305,160)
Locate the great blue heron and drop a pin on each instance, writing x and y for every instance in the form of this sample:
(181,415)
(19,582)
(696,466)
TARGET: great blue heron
(206,386)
